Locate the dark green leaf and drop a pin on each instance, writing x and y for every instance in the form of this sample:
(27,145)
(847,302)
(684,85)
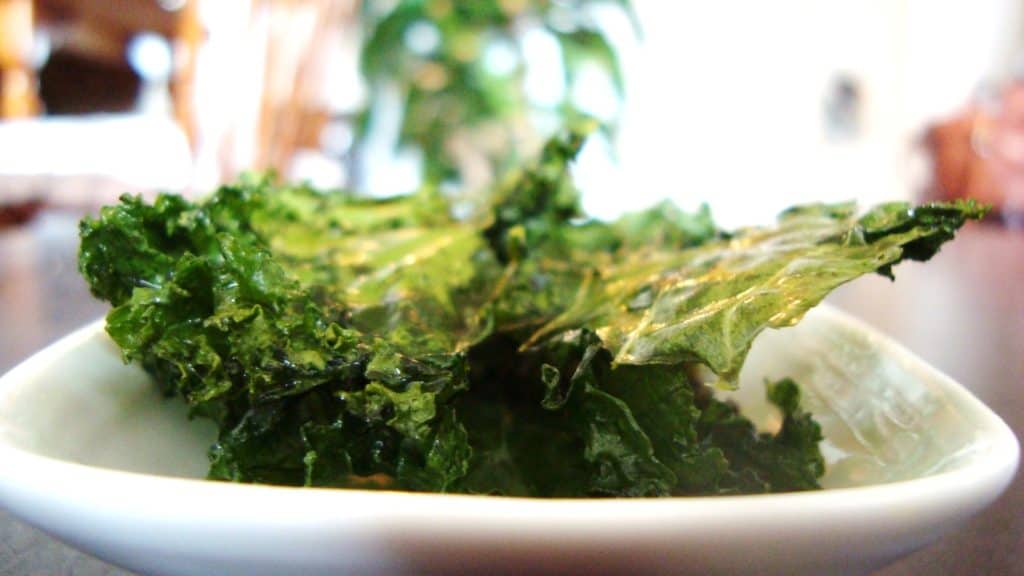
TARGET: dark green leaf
(381,343)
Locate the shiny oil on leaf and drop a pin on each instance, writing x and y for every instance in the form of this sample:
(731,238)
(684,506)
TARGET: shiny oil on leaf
(524,350)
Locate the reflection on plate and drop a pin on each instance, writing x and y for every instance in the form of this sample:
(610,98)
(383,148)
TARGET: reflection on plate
(90,452)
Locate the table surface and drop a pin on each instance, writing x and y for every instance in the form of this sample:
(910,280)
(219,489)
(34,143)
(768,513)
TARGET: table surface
(962,312)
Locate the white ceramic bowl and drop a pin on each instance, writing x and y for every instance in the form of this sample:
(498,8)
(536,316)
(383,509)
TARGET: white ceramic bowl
(92,454)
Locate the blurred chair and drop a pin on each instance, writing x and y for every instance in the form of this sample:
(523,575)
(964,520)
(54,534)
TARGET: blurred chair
(17,79)
(248,78)
(78,139)
(80,52)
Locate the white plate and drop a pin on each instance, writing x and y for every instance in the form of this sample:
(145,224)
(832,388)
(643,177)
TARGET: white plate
(92,454)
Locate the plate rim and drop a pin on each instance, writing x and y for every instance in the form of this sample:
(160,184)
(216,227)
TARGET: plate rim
(993,472)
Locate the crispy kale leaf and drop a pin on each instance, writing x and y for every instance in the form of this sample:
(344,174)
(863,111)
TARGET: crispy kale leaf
(708,303)
(244,336)
(524,350)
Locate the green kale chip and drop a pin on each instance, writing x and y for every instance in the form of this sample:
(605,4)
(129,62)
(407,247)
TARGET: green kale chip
(343,341)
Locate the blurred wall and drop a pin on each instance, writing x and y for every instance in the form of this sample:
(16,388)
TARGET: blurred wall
(755,105)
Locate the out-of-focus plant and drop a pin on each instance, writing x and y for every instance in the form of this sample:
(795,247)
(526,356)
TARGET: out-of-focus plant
(459,69)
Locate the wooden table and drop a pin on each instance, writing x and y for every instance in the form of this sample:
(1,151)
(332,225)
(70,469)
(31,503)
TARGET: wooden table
(963,312)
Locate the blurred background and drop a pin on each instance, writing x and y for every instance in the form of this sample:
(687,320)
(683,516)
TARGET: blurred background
(750,106)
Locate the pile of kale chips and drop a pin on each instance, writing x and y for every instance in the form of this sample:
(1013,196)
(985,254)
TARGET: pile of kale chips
(343,341)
